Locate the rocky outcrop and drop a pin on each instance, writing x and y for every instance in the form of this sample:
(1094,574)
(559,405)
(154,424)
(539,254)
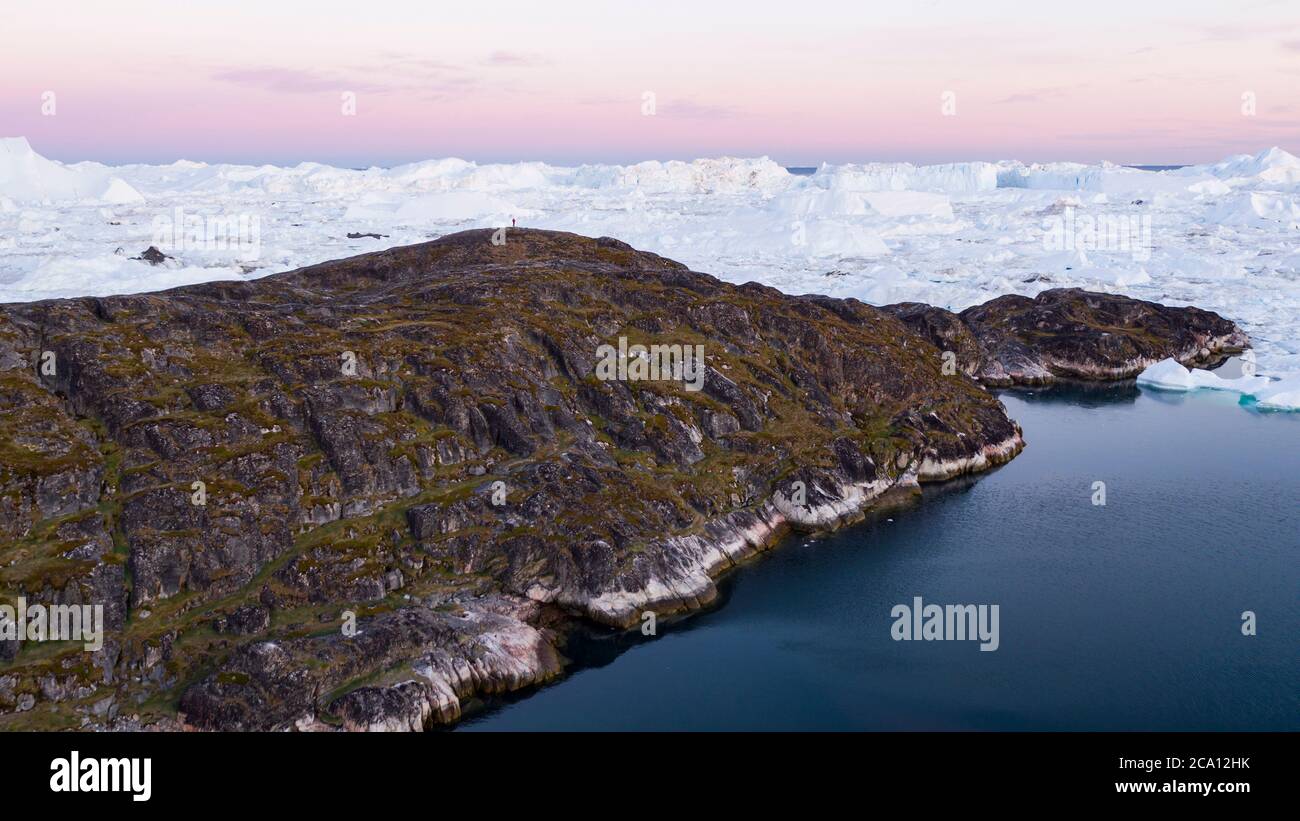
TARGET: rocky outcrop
(1068,333)
(356,495)
(428,656)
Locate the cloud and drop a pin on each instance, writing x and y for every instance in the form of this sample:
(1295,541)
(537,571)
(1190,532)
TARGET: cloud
(417,61)
(297,81)
(282,80)
(517,59)
(1035,96)
(693,110)
(1114,136)
(610,101)
(1018,98)
(421,78)
(681,108)
(1225,32)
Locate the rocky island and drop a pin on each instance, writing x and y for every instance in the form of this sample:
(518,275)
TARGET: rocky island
(355,495)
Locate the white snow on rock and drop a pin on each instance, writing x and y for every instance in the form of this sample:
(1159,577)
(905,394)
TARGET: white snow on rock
(1223,236)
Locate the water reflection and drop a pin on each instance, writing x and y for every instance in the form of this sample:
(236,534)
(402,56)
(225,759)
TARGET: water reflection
(1080,393)
(1124,616)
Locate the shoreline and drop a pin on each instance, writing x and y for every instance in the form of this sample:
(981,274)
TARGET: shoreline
(531,650)
(483,482)
(641,684)
(903,492)
(743,534)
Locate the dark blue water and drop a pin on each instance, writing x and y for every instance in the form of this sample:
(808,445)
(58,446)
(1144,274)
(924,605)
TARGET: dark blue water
(1119,617)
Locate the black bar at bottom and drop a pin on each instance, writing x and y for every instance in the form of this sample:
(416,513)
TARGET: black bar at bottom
(441,771)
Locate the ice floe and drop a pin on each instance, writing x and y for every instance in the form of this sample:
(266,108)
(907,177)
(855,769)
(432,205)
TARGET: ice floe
(1271,394)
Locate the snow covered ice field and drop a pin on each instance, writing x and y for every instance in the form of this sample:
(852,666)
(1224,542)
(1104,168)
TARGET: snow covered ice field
(1223,236)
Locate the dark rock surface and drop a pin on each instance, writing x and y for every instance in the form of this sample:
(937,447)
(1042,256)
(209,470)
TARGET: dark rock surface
(1073,334)
(356,494)
(153,256)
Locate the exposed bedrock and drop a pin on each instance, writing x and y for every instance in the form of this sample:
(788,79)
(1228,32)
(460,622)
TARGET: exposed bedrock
(354,495)
(1072,334)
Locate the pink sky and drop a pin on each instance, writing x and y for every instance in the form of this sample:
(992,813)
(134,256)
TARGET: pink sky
(1157,82)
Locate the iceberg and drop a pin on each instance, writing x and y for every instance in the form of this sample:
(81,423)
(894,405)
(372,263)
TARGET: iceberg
(27,176)
(1272,165)
(446,207)
(1169,375)
(951,178)
(1283,394)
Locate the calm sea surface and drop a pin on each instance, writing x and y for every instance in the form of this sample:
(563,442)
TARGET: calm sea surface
(1124,616)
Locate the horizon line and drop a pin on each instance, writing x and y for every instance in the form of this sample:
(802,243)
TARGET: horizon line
(561,163)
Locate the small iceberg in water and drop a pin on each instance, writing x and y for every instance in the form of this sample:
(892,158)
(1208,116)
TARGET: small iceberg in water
(1264,393)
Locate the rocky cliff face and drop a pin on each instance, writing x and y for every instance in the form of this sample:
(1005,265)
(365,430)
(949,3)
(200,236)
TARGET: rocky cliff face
(353,495)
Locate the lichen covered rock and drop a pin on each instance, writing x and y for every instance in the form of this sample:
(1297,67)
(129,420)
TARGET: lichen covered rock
(356,494)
